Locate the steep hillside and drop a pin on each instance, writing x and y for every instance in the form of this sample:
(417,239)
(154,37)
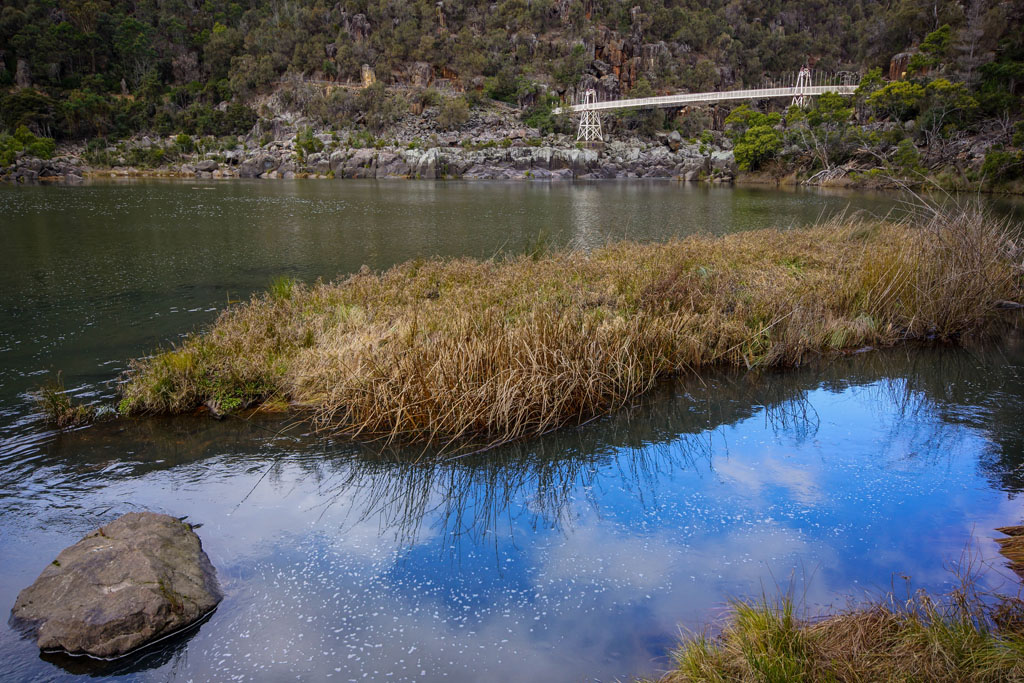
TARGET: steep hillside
(87,68)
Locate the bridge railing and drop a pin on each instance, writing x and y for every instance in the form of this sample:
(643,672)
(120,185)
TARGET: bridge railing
(692,98)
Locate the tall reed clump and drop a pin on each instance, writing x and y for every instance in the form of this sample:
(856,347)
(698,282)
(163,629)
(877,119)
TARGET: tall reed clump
(59,409)
(957,638)
(467,351)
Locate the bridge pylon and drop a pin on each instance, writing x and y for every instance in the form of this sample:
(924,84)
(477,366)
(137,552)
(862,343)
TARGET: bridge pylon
(590,121)
(803,81)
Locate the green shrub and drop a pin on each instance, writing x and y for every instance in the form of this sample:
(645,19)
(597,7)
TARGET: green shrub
(428,97)
(505,86)
(759,144)
(24,140)
(306,143)
(362,139)
(184,144)
(743,118)
(380,109)
(542,116)
(281,287)
(1002,165)
(1018,134)
(907,159)
(899,100)
(59,409)
(454,112)
(239,118)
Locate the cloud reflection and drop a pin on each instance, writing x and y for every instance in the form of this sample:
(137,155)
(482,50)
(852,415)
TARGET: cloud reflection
(576,555)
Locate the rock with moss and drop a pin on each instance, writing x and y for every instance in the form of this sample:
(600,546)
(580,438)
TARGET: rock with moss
(140,578)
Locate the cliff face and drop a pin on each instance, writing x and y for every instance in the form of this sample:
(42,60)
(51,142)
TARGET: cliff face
(610,63)
(616,63)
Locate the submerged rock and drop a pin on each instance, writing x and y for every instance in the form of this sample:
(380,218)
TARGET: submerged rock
(139,578)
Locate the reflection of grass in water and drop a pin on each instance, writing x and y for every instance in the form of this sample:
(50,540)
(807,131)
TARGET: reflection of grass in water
(966,635)
(472,497)
(485,352)
(671,430)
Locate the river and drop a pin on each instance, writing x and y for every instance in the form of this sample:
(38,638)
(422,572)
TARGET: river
(578,556)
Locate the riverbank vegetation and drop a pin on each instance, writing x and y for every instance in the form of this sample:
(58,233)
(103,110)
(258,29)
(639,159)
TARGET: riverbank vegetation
(948,106)
(929,129)
(23,141)
(467,351)
(959,637)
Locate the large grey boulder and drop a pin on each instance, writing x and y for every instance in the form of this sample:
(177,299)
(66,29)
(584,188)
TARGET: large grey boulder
(137,579)
(424,165)
(724,162)
(338,161)
(321,167)
(674,140)
(392,165)
(522,158)
(362,164)
(31,164)
(259,164)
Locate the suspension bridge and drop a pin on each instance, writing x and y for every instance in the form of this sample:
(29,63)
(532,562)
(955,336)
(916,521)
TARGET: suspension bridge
(802,87)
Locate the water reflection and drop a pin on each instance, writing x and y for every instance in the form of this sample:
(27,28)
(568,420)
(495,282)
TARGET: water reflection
(923,400)
(573,556)
(166,653)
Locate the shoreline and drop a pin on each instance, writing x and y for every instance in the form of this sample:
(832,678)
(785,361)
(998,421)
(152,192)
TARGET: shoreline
(75,172)
(523,158)
(495,151)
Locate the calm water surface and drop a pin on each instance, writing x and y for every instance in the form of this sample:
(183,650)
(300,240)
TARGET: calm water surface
(574,557)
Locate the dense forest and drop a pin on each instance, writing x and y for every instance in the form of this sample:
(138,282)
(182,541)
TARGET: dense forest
(87,68)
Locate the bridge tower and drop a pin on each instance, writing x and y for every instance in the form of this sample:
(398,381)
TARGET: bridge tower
(590,120)
(803,81)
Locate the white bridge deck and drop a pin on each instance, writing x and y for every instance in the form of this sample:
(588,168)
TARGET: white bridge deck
(695,97)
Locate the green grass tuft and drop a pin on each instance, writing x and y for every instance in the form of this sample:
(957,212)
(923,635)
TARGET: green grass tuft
(960,637)
(59,409)
(281,287)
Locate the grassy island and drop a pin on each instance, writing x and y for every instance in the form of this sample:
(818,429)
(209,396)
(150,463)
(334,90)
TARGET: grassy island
(484,351)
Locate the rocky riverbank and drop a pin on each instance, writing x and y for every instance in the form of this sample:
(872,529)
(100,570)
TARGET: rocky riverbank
(493,143)
(522,157)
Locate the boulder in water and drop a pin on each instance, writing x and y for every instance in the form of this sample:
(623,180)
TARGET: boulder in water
(140,578)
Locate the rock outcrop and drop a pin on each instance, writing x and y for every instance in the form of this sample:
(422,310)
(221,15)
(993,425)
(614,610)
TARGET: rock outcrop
(140,578)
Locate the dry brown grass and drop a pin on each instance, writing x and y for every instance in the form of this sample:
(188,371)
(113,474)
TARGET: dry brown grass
(466,351)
